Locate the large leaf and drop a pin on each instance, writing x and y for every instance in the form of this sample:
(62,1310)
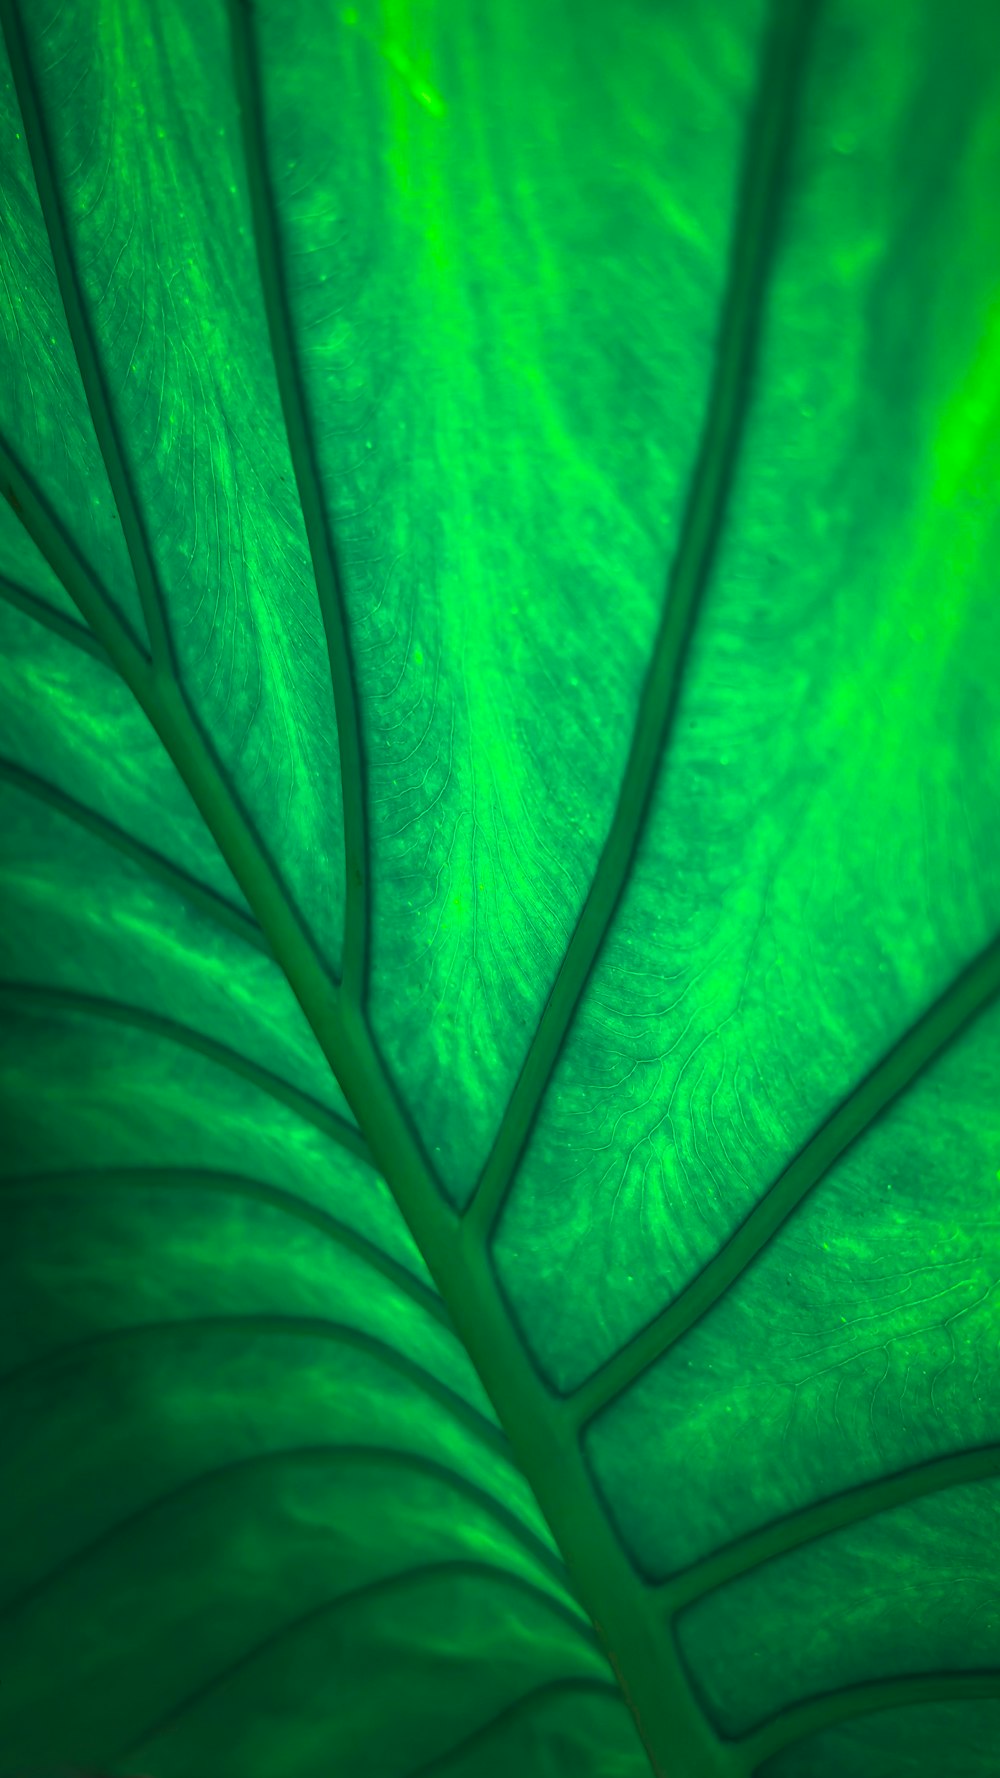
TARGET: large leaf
(500,1243)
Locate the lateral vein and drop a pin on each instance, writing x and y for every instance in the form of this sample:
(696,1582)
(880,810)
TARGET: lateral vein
(851,1507)
(208,901)
(305,465)
(302,1327)
(825,1711)
(109,629)
(581,1683)
(84,345)
(751,255)
(236,1185)
(383,1585)
(56,621)
(969,995)
(334,1455)
(139,1018)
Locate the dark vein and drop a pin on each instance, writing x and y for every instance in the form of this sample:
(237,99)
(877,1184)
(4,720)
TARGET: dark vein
(137,1017)
(235,1185)
(165,706)
(488,1731)
(387,1585)
(815,1714)
(208,901)
(305,465)
(69,631)
(851,1507)
(92,375)
(335,1456)
(160,695)
(300,1327)
(107,624)
(969,995)
(751,255)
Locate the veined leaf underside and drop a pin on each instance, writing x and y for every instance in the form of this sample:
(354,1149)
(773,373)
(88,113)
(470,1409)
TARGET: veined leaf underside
(540,1429)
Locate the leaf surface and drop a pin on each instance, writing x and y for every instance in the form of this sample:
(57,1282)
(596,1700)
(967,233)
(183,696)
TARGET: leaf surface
(499,740)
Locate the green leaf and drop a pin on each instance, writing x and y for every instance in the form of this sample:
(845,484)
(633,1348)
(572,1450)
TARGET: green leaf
(499,1233)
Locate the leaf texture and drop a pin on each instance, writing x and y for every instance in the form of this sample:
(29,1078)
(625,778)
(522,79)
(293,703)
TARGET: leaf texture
(500,943)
